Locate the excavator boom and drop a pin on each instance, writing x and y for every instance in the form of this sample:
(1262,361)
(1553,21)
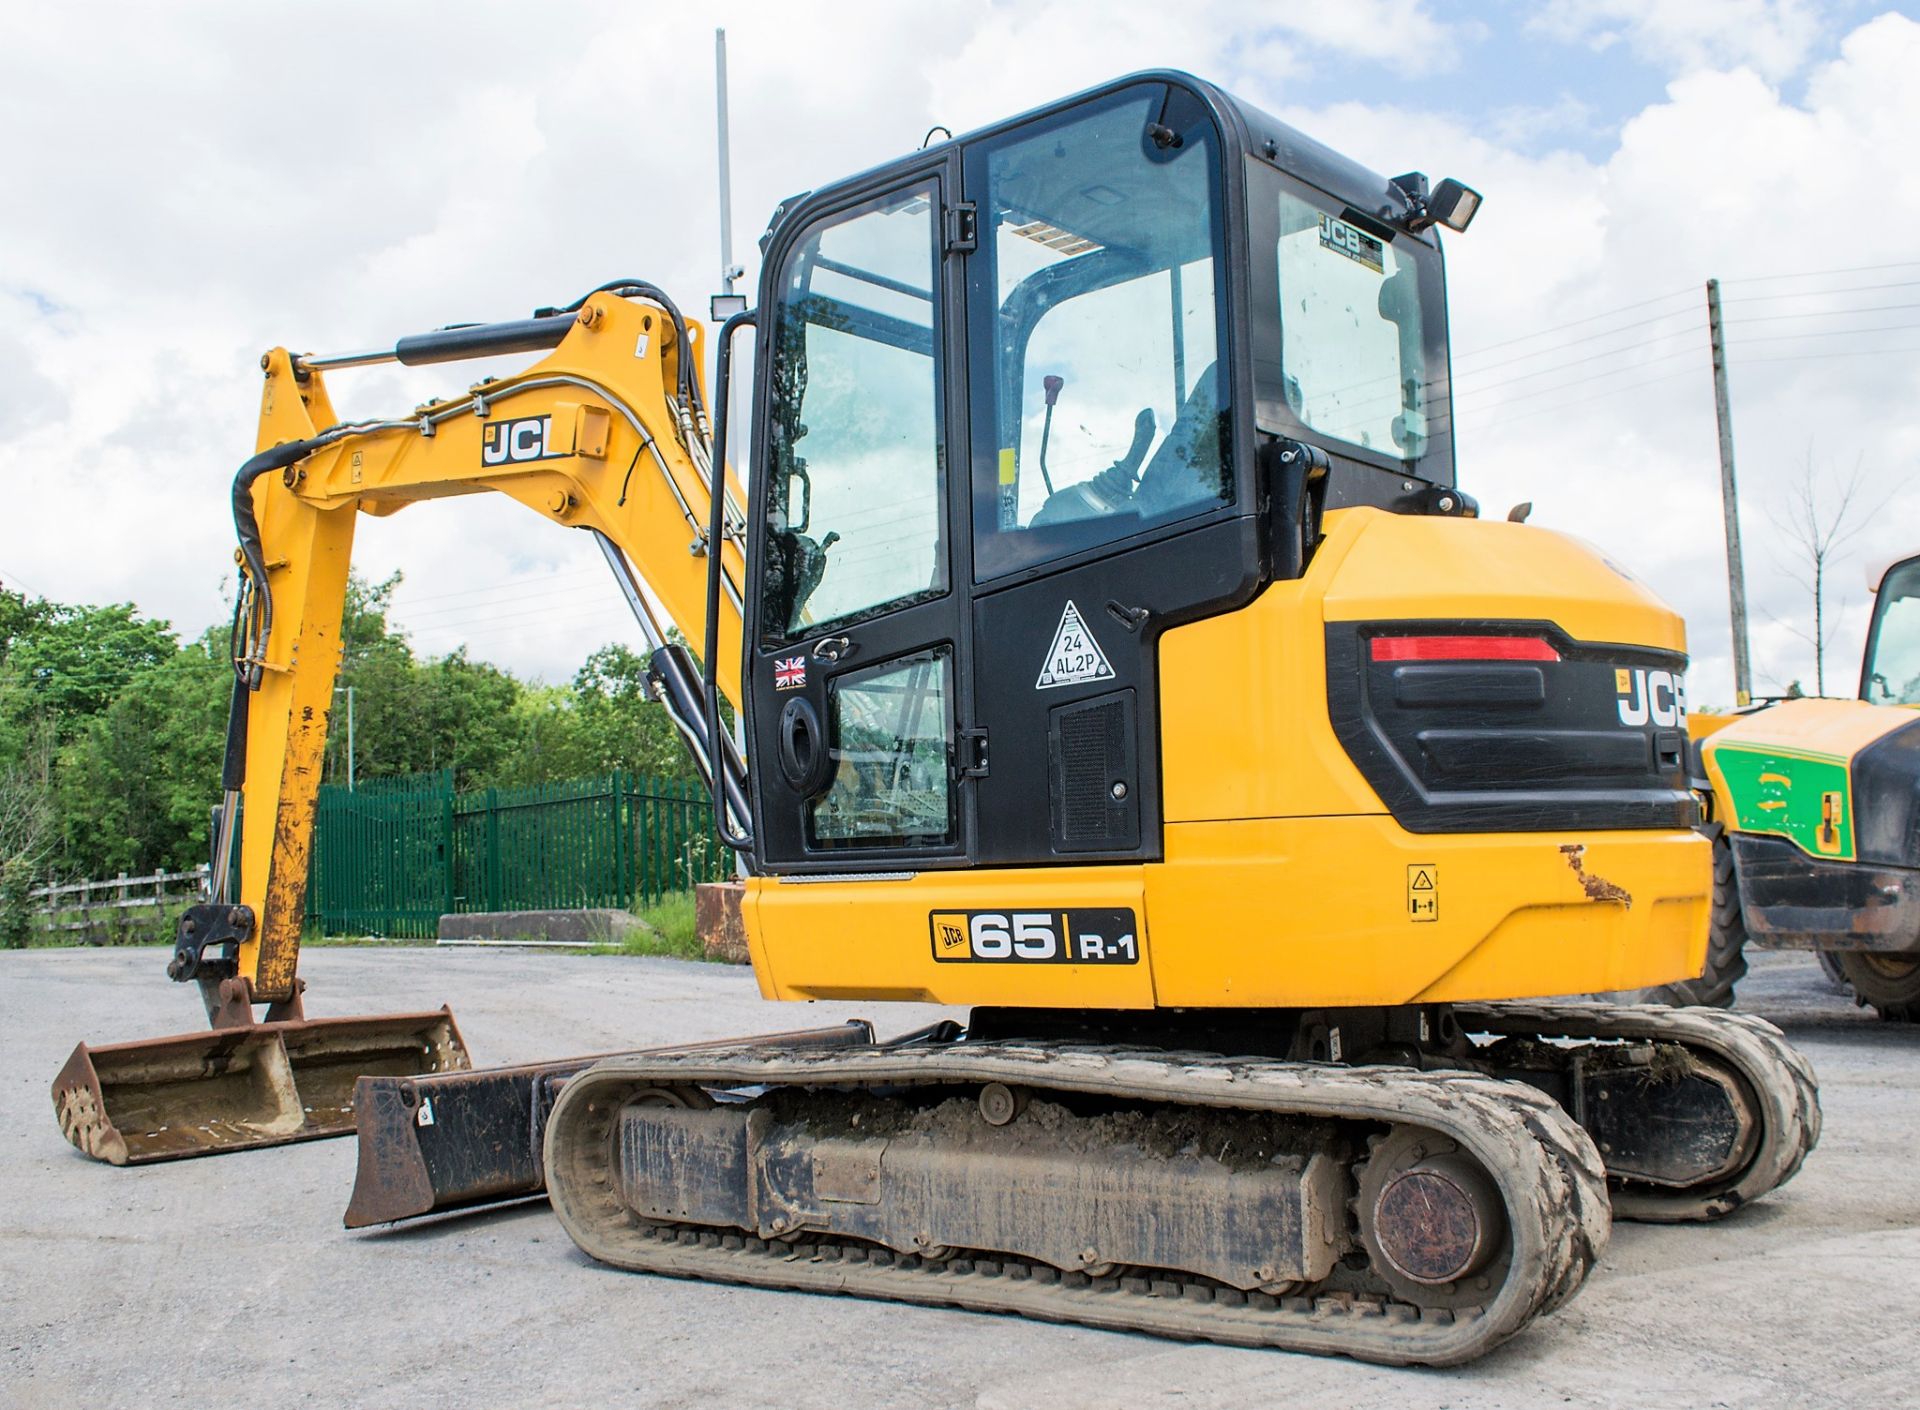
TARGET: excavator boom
(608,433)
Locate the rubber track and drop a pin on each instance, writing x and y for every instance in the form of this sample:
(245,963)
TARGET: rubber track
(1549,1175)
(1787,1095)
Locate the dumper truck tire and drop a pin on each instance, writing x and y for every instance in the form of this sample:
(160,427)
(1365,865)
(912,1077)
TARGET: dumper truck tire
(1891,983)
(1726,940)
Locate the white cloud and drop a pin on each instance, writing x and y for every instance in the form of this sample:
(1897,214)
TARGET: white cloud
(1774,37)
(217,179)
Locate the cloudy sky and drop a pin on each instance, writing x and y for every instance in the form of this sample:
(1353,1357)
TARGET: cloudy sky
(187,185)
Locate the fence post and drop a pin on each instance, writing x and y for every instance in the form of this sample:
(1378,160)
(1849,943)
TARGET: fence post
(448,810)
(622,842)
(493,849)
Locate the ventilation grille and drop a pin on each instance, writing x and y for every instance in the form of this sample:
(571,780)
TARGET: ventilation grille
(1095,789)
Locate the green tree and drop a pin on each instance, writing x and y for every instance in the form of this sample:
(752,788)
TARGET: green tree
(72,661)
(28,832)
(625,727)
(19,617)
(137,781)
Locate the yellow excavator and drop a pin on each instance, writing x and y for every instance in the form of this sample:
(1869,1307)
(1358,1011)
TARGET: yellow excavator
(1114,656)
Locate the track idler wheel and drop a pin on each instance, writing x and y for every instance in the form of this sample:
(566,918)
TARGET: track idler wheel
(1430,1219)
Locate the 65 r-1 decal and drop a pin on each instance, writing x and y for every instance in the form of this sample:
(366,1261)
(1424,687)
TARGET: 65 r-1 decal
(1035,937)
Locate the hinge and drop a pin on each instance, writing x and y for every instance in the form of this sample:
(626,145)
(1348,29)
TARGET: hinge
(962,228)
(973,754)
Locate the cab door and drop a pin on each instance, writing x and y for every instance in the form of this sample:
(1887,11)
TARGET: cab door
(857,662)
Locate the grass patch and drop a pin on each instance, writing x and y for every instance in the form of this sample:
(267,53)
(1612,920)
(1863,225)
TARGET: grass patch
(672,931)
(312,937)
(74,929)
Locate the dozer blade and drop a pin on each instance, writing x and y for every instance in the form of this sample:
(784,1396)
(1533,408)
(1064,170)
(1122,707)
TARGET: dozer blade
(236,1088)
(460,1140)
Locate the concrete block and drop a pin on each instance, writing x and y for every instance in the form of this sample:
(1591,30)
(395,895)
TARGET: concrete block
(602,925)
(719,922)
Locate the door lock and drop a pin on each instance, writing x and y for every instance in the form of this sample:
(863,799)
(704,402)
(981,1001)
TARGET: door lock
(834,648)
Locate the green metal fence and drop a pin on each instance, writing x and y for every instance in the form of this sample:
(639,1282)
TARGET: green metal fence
(393,855)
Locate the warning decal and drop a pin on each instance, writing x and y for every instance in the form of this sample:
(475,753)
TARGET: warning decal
(1423,891)
(1074,656)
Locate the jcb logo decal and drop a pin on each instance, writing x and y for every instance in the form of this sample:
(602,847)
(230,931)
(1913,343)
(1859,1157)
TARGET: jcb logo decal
(1660,696)
(512,442)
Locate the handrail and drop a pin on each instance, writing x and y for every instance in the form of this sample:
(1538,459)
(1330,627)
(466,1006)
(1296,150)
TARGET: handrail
(741,840)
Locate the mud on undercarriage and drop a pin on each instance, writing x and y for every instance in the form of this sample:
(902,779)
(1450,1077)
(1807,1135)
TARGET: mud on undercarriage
(1381,1211)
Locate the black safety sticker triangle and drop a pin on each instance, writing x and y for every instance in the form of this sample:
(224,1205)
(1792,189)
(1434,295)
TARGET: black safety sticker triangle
(1074,657)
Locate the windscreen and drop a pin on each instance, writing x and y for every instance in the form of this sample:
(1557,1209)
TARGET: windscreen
(1096,299)
(1892,676)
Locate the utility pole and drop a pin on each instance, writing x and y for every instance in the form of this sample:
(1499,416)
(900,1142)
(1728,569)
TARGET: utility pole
(729,271)
(1729,499)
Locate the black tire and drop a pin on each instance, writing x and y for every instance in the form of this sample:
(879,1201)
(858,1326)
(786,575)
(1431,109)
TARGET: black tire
(1726,940)
(1836,976)
(1891,983)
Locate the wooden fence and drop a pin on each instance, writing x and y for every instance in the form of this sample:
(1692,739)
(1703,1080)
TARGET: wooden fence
(114,904)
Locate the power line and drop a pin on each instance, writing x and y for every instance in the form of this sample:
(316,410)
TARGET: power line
(1579,322)
(549,613)
(1497,415)
(1815,357)
(1582,361)
(1829,333)
(1579,382)
(468,609)
(1593,338)
(501,587)
(1468,394)
(1823,313)
(1822,273)
(1822,293)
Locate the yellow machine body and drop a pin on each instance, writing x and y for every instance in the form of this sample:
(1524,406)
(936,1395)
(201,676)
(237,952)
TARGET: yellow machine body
(1286,881)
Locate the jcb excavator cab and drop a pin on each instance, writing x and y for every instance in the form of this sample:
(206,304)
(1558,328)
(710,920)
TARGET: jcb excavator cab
(1024,402)
(1050,423)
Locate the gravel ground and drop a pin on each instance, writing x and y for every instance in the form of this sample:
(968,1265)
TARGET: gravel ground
(229,1282)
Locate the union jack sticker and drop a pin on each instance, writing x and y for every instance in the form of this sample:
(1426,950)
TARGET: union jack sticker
(789,672)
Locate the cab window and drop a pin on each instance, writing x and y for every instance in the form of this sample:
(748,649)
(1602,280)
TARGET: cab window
(854,520)
(1352,346)
(1098,271)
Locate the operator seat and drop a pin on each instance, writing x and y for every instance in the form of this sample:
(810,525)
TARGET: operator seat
(1189,466)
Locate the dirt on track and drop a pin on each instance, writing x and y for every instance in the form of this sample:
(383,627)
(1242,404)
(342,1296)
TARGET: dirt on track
(230,1280)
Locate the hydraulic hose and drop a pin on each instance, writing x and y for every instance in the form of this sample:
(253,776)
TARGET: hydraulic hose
(247,526)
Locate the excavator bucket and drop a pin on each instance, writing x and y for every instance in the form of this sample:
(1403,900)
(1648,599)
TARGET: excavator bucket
(240,1087)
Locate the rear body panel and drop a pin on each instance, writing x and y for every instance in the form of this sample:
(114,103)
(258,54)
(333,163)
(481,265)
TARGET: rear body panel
(1284,877)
